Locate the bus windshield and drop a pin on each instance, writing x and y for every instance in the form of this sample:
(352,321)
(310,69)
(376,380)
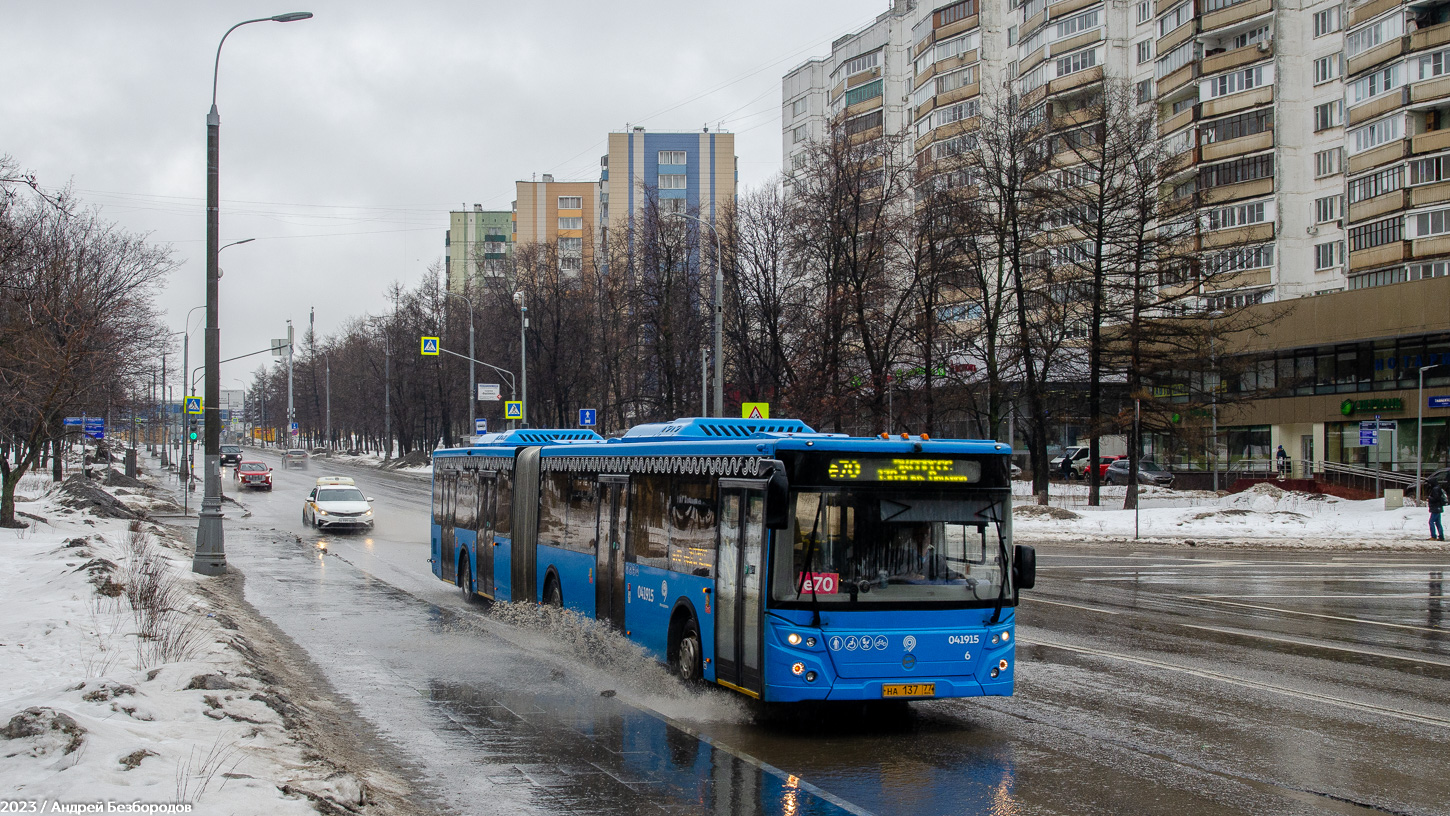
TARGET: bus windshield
(881,547)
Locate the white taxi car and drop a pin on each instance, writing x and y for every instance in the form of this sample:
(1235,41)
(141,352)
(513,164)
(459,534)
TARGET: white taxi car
(336,502)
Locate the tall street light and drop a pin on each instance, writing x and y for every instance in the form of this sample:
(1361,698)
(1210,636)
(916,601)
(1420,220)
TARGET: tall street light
(1420,431)
(523,358)
(211,557)
(719,312)
(472,380)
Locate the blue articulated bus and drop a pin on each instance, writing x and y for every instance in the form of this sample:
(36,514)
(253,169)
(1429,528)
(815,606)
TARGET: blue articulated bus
(759,555)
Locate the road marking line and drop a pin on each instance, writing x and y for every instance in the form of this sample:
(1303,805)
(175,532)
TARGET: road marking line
(1316,615)
(1036,599)
(1317,645)
(1239,681)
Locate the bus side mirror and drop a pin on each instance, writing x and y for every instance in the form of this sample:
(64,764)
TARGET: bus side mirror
(1024,567)
(777,499)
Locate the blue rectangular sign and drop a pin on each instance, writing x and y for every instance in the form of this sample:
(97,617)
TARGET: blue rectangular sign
(1440,402)
(71,422)
(1369,438)
(480,426)
(586,417)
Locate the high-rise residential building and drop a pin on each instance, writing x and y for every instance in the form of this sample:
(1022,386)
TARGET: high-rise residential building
(1312,144)
(564,211)
(479,242)
(691,172)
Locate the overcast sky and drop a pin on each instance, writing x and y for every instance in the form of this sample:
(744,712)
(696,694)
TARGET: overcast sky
(347,138)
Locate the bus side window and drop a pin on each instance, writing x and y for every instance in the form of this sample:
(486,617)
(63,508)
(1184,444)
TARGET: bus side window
(437,497)
(692,523)
(553,505)
(583,513)
(467,500)
(648,506)
(503,505)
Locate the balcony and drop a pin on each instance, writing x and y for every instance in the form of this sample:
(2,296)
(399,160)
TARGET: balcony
(1076,42)
(1032,60)
(1163,5)
(1175,38)
(1380,53)
(1237,102)
(1239,56)
(1233,192)
(950,30)
(1235,13)
(1237,147)
(1031,24)
(863,77)
(1430,247)
(1073,118)
(1430,194)
(1065,7)
(1379,106)
(1430,89)
(1430,37)
(1377,256)
(1238,280)
(1379,205)
(924,76)
(1075,80)
(1237,235)
(865,136)
(1383,154)
(1431,141)
(1179,120)
(1177,79)
(1369,11)
(864,106)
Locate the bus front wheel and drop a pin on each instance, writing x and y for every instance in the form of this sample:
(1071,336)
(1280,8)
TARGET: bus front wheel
(465,579)
(552,595)
(689,655)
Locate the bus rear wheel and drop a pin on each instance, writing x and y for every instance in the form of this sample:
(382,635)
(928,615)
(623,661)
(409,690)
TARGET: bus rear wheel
(552,594)
(689,655)
(465,579)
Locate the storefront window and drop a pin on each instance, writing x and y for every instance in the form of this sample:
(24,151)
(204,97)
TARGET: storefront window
(1248,444)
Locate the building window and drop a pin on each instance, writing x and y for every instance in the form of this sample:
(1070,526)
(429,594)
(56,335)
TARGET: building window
(1145,12)
(1257,35)
(1432,223)
(672,157)
(1237,215)
(1173,60)
(1370,36)
(1176,16)
(1423,171)
(1215,5)
(1236,301)
(861,124)
(1326,22)
(570,263)
(1145,91)
(1078,24)
(1433,65)
(1145,51)
(1328,208)
(670,206)
(1328,162)
(1236,127)
(1376,184)
(1326,68)
(798,135)
(1328,255)
(956,79)
(954,13)
(672,182)
(571,246)
(1011,35)
(1377,234)
(798,107)
(1081,61)
(862,63)
(1368,87)
(1235,82)
(1241,259)
(797,161)
(494,248)
(1372,136)
(951,49)
(1328,115)
(571,202)
(861,93)
(1236,172)
(571,223)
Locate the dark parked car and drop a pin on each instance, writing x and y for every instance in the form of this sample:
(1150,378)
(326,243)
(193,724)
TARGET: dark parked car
(1149,473)
(231,455)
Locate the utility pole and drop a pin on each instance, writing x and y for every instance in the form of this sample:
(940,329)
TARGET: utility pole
(327,367)
(387,394)
(291,412)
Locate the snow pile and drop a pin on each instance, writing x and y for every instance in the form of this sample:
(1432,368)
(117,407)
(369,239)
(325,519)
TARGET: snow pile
(117,684)
(1263,514)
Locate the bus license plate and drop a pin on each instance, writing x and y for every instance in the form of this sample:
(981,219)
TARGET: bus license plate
(909,690)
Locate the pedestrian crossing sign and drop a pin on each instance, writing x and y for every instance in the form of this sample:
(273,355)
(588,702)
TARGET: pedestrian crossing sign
(430,346)
(755,410)
(513,409)
(193,405)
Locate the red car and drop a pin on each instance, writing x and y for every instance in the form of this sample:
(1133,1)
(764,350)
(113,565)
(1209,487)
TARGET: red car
(254,474)
(1103,463)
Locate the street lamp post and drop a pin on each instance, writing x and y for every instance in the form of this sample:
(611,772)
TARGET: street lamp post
(472,380)
(1420,431)
(210,557)
(523,358)
(719,312)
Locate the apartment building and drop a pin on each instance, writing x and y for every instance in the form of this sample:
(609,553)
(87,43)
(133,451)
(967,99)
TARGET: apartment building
(478,243)
(1313,142)
(564,211)
(691,172)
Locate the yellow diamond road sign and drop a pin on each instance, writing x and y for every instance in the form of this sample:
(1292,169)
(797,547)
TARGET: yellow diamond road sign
(430,346)
(513,409)
(193,405)
(755,410)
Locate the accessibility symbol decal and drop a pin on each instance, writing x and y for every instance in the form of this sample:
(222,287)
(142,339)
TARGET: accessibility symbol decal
(852,643)
(909,642)
(835,643)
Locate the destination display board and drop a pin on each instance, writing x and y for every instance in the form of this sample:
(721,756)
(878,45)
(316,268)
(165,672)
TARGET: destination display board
(902,469)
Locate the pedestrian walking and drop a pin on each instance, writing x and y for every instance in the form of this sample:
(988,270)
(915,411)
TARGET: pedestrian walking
(1437,507)
(1283,459)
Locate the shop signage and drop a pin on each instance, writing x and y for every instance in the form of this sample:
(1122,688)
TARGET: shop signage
(1390,405)
(1440,402)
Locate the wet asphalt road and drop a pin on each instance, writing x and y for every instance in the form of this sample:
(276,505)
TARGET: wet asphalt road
(1172,681)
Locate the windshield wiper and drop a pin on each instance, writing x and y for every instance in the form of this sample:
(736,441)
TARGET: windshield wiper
(996,520)
(811,565)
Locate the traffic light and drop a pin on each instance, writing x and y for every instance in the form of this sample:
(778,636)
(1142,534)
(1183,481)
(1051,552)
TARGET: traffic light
(191,434)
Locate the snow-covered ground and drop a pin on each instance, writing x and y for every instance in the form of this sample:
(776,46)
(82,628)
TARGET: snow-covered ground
(121,683)
(1263,515)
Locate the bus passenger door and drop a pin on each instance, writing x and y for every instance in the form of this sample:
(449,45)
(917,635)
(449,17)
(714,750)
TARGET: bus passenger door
(739,580)
(448,543)
(609,552)
(487,485)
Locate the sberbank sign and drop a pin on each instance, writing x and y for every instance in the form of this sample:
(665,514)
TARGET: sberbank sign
(1390,405)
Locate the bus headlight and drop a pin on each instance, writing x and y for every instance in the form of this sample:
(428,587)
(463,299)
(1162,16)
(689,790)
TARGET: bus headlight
(794,640)
(996,639)
(1002,664)
(798,668)
(810,677)
(810,641)
(1006,636)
